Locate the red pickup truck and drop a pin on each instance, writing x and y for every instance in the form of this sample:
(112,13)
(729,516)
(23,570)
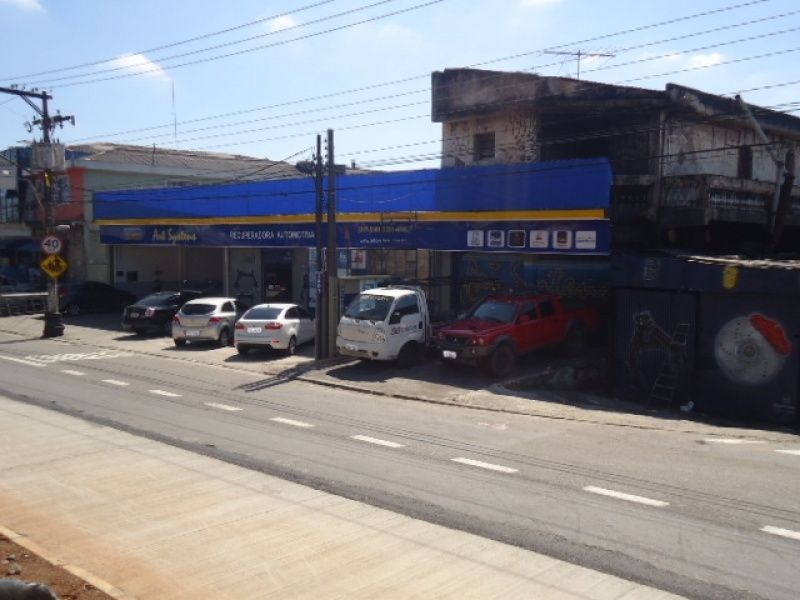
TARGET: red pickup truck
(502,327)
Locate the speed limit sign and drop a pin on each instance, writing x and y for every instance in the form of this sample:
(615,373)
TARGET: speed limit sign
(52,245)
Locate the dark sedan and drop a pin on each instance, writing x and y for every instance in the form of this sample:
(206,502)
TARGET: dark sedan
(154,313)
(91,296)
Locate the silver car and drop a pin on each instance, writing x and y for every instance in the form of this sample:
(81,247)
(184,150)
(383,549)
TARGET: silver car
(205,319)
(274,326)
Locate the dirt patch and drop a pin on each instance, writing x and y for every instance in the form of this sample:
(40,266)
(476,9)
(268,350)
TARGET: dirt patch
(17,562)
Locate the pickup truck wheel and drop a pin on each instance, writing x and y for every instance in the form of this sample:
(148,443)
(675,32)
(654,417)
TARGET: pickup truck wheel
(502,361)
(575,341)
(409,355)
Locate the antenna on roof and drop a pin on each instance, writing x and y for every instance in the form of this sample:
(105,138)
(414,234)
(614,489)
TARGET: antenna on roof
(174,116)
(578,54)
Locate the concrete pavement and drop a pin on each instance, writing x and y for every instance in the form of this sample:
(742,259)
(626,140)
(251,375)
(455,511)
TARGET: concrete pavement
(141,519)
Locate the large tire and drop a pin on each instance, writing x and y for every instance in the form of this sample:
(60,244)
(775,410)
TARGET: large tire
(502,361)
(575,341)
(409,355)
(224,338)
(291,348)
(179,342)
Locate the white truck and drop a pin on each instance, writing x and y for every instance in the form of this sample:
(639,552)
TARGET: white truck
(388,323)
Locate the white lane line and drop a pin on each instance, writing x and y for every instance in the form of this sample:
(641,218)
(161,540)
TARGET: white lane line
(623,496)
(163,393)
(72,372)
(115,382)
(30,363)
(379,442)
(794,452)
(787,533)
(223,406)
(732,441)
(291,422)
(483,465)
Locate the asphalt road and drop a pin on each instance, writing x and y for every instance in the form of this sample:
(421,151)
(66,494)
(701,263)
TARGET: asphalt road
(698,516)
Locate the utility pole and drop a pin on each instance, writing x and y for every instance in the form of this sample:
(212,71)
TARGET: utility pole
(578,54)
(48,163)
(321,332)
(333,287)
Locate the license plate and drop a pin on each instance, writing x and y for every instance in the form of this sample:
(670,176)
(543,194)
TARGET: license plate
(192,333)
(254,330)
(449,354)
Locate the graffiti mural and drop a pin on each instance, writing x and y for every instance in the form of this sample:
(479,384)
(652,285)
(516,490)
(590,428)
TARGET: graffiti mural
(752,349)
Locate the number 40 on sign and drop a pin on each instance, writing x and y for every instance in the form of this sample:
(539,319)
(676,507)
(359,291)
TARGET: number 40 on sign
(52,245)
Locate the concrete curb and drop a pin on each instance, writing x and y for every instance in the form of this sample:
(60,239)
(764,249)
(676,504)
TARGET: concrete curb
(79,572)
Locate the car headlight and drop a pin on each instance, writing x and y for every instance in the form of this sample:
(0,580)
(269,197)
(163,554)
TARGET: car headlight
(379,337)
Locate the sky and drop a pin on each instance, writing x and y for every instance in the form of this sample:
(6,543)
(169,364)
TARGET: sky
(262,79)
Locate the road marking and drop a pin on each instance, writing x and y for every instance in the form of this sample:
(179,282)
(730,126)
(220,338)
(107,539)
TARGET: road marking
(623,496)
(30,363)
(787,533)
(732,441)
(71,372)
(291,422)
(372,440)
(163,393)
(794,452)
(222,406)
(483,465)
(115,382)
(76,356)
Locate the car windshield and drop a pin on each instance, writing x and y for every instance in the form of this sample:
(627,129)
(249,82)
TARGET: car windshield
(263,312)
(369,307)
(493,310)
(198,309)
(155,299)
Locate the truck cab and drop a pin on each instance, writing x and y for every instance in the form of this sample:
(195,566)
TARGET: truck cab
(389,323)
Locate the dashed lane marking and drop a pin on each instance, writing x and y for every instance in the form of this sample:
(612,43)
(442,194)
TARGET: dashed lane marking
(291,422)
(30,363)
(787,533)
(376,441)
(483,465)
(732,441)
(164,393)
(794,452)
(623,496)
(223,406)
(72,372)
(116,382)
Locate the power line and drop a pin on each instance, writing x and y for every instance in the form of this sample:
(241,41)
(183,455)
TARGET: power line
(246,51)
(501,59)
(174,44)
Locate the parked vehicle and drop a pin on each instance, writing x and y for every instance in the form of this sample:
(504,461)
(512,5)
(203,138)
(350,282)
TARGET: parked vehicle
(205,319)
(92,296)
(389,323)
(155,312)
(274,327)
(503,327)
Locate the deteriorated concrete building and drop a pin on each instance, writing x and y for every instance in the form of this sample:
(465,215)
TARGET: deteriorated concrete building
(691,168)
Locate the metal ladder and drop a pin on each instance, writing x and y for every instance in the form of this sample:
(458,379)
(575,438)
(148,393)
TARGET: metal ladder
(666,383)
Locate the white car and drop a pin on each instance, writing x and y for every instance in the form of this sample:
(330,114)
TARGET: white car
(273,326)
(205,319)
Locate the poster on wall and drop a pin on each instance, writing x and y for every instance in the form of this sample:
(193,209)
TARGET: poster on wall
(475,238)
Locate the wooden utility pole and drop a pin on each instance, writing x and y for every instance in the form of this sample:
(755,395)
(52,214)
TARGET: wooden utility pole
(332,267)
(321,331)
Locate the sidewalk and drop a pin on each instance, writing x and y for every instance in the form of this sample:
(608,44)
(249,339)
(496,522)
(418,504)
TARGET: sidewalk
(428,382)
(141,519)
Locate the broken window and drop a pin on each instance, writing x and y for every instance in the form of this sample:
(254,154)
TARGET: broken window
(745,166)
(484,146)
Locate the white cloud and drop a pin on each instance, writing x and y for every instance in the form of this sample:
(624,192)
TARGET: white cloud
(706,60)
(537,3)
(283,22)
(139,63)
(25,4)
